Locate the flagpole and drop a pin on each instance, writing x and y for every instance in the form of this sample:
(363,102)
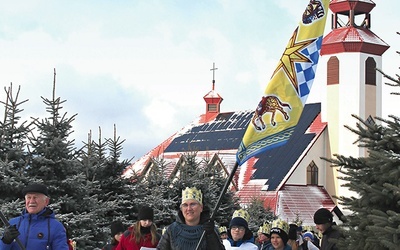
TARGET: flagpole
(5,221)
(223,191)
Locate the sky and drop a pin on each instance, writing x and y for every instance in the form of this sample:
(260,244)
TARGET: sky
(144,65)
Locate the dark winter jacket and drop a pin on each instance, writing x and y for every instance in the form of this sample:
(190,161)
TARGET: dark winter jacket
(264,245)
(180,236)
(328,235)
(38,232)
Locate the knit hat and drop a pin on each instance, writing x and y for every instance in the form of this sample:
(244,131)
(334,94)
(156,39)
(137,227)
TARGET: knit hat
(322,216)
(192,194)
(35,188)
(281,228)
(309,235)
(116,228)
(146,213)
(240,218)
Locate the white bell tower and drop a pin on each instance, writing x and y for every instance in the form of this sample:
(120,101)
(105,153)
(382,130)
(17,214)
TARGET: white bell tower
(350,53)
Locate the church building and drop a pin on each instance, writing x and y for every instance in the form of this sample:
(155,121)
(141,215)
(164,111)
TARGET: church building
(292,179)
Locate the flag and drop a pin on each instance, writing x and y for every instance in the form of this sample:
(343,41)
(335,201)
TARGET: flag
(280,107)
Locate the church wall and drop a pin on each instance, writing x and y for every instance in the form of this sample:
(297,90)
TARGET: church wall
(318,149)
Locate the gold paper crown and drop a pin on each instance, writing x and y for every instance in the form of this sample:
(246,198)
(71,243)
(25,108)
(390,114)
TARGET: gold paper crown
(192,194)
(265,228)
(222,230)
(241,213)
(281,224)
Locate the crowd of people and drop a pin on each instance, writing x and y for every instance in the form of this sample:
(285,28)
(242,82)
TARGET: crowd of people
(37,228)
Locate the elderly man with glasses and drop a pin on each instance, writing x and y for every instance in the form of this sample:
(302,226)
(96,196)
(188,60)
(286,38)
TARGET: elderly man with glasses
(192,220)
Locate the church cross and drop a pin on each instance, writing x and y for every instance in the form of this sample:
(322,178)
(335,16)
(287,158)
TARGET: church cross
(213,70)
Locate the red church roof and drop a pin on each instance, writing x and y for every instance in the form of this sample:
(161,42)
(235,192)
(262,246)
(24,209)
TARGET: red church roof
(346,35)
(302,201)
(352,39)
(360,6)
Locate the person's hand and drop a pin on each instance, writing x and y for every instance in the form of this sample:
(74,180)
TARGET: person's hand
(10,234)
(209,227)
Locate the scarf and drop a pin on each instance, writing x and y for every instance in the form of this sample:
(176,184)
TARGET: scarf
(186,237)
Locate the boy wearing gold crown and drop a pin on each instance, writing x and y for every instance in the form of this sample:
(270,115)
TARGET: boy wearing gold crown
(223,232)
(263,240)
(239,234)
(279,235)
(192,220)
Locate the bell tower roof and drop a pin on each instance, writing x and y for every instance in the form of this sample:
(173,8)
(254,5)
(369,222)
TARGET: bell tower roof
(213,100)
(351,23)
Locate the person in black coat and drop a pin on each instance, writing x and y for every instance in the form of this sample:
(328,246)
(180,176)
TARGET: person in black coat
(192,221)
(323,220)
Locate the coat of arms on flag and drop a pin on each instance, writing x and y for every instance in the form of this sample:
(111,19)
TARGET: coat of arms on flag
(280,107)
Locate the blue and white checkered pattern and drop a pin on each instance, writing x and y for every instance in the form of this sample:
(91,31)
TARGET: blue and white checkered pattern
(305,72)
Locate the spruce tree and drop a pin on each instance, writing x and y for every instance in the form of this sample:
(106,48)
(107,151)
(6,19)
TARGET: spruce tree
(374,221)
(156,192)
(124,189)
(114,193)
(259,214)
(54,161)
(14,157)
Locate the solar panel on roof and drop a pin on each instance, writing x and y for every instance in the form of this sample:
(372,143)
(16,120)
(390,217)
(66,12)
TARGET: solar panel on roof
(195,129)
(211,127)
(233,117)
(219,126)
(228,133)
(205,126)
(225,125)
(225,116)
(215,140)
(243,120)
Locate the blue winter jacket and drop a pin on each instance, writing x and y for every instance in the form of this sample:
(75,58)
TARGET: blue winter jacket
(38,232)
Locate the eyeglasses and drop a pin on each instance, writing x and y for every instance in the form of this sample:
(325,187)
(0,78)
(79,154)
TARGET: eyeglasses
(240,228)
(191,205)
